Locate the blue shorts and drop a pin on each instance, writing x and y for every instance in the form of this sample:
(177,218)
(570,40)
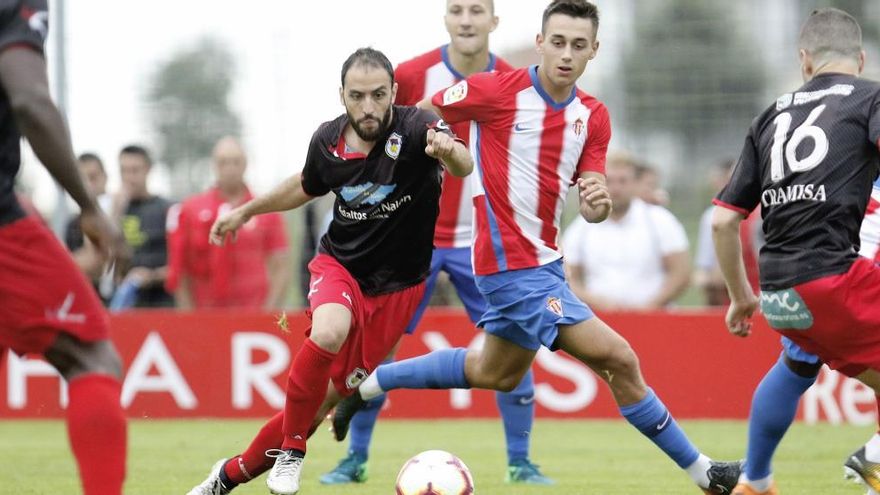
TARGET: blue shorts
(457,263)
(795,353)
(527,306)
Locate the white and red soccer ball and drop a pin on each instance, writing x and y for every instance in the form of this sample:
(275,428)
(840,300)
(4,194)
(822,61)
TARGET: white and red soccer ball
(434,472)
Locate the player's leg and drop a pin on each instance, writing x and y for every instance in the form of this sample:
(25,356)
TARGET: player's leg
(96,424)
(517,407)
(774,405)
(227,474)
(336,304)
(608,354)
(352,468)
(65,322)
(863,465)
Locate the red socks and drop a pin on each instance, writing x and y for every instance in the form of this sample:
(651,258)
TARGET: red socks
(97,430)
(253,461)
(306,390)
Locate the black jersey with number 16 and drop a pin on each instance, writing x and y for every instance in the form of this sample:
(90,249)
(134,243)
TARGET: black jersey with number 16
(809,161)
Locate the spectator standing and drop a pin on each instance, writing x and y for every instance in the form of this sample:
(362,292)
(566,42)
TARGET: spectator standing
(143,217)
(638,259)
(251,272)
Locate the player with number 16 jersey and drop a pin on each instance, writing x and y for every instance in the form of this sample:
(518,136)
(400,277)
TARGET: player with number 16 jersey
(810,160)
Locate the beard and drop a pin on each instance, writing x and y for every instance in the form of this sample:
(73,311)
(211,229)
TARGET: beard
(370,135)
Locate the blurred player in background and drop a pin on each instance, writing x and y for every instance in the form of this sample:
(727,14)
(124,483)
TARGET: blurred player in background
(62,320)
(809,160)
(535,134)
(383,164)
(251,272)
(469,23)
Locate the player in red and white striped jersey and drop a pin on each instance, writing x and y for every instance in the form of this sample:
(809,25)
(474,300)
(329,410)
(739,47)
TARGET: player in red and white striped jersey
(421,78)
(869,234)
(534,136)
(469,23)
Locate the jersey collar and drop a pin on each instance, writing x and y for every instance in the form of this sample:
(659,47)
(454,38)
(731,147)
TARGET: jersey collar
(444,54)
(533,74)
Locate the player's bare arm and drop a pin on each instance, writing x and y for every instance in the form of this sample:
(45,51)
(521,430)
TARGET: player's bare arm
(426,104)
(728,249)
(595,201)
(23,75)
(452,153)
(286,196)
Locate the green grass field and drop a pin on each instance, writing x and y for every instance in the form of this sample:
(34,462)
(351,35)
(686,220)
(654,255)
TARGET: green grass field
(585,457)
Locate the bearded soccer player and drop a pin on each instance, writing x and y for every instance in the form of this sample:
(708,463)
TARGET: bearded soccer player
(535,134)
(469,23)
(63,320)
(810,160)
(383,163)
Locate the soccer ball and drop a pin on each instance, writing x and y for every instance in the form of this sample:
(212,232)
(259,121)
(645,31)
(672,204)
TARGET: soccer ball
(434,472)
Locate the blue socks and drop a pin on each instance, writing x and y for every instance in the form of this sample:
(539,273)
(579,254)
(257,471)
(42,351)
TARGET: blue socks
(439,369)
(774,405)
(651,417)
(517,409)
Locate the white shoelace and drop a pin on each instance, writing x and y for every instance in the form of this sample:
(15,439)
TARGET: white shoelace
(285,464)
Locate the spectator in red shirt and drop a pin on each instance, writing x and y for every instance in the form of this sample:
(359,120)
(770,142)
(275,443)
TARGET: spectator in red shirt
(251,272)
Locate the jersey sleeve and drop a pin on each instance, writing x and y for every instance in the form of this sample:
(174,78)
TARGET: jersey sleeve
(312,181)
(23,23)
(874,120)
(426,119)
(406,87)
(276,236)
(474,98)
(596,147)
(743,192)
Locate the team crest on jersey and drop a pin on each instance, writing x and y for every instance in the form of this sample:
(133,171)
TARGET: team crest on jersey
(392,146)
(455,93)
(578,126)
(784,101)
(554,305)
(356,377)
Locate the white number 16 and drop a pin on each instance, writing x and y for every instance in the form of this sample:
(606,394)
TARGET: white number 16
(804,131)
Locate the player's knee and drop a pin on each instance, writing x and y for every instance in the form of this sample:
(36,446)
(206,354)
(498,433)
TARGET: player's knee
(622,361)
(73,358)
(506,383)
(329,337)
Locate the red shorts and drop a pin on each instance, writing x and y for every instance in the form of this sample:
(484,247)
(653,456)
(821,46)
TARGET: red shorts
(845,332)
(42,292)
(377,324)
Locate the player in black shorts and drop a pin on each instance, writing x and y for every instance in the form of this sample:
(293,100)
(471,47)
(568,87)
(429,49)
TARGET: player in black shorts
(809,160)
(383,164)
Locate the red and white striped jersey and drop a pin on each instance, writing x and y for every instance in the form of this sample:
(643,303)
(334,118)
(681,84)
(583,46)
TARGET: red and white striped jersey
(527,150)
(869,234)
(417,79)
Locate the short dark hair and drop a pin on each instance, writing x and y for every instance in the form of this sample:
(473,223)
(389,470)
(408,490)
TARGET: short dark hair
(136,149)
(831,33)
(368,57)
(92,157)
(573,8)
